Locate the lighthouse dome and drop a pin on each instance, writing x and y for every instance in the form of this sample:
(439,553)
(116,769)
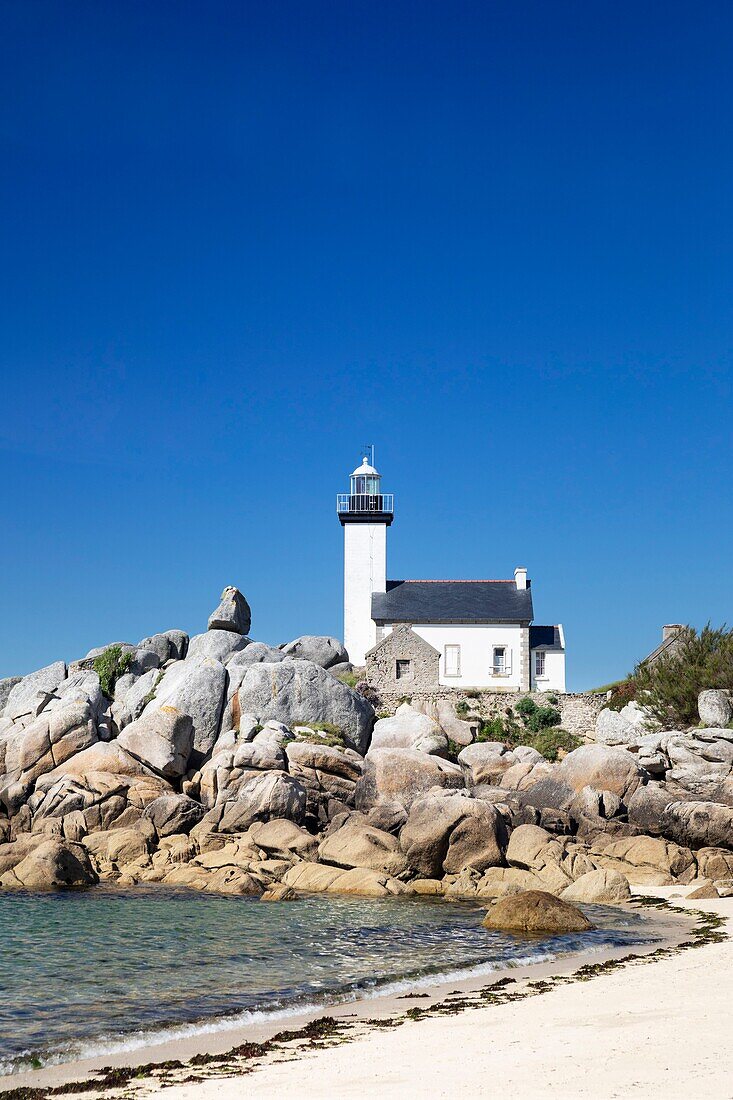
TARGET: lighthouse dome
(365,470)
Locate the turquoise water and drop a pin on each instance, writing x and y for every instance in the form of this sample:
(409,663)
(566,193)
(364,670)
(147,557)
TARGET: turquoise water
(96,971)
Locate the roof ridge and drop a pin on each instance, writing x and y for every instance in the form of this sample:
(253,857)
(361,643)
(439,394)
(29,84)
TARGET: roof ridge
(502,580)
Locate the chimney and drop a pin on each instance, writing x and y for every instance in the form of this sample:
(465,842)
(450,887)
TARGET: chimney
(520,577)
(670,630)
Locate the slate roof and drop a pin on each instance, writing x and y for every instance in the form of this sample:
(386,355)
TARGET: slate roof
(546,636)
(452,602)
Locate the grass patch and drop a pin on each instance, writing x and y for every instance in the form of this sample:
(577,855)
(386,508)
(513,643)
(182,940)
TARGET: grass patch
(109,666)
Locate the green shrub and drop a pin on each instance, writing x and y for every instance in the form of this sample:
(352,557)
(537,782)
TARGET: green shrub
(553,700)
(109,666)
(669,688)
(404,699)
(462,707)
(491,729)
(526,707)
(551,741)
(543,718)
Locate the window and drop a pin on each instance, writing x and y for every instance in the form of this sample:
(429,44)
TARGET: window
(452,661)
(500,660)
(539,663)
(403,669)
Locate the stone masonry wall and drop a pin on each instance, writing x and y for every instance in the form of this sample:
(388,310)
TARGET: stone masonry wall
(402,644)
(578,710)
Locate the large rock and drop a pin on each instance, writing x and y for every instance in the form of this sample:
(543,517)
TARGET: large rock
(645,860)
(701,760)
(132,695)
(401,775)
(173,813)
(221,645)
(485,762)
(319,649)
(612,728)
(6,686)
(265,796)
(601,887)
(329,776)
(535,911)
(29,697)
(254,654)
(602,766)
(359,845)
(52,865)
(233,613)
(299,692)
(282,838)
(56,735)
(448,832)
(647,805)
(698,824)
(409,729)
(196,687)
(714,708)
(162,739)
(533,849)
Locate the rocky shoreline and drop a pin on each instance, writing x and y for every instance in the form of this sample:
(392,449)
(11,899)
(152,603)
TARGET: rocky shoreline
(232,766)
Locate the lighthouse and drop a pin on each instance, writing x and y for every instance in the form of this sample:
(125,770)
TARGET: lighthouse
(365,513)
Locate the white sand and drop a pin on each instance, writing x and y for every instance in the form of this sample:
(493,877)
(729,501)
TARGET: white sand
(659,1029)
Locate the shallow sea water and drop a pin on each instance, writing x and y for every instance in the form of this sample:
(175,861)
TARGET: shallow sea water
(102,970)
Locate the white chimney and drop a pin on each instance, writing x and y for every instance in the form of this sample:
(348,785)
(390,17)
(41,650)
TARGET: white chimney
(520,577)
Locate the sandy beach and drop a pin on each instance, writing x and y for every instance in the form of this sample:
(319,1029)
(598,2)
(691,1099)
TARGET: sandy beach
(655,1027)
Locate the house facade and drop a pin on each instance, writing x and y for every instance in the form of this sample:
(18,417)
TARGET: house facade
(436,634)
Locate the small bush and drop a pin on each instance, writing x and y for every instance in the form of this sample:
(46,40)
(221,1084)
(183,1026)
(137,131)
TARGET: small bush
(491,729)
(473,694)
(553,700)
(550,742)
(526,707)
(542,718)
(462,707)
(109,666)
(404,699)
(453,749)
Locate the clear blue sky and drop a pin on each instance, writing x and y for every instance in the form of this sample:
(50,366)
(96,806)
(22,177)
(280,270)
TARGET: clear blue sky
(239,240)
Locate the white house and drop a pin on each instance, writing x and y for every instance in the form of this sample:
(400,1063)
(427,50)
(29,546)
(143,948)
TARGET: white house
(429,634)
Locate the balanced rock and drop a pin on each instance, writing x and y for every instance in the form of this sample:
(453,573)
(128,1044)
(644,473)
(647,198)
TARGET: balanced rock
(535,911)
(233,613)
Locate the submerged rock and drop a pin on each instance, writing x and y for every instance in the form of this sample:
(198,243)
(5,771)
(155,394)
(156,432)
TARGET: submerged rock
(535,911)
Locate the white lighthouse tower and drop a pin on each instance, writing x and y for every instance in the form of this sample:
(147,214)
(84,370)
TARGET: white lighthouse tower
(365,513)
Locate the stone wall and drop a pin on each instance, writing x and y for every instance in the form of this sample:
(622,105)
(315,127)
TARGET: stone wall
(578,710)
(402,644)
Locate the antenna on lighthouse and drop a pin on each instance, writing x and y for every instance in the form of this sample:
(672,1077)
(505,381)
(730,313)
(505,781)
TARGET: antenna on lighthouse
(370,448)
